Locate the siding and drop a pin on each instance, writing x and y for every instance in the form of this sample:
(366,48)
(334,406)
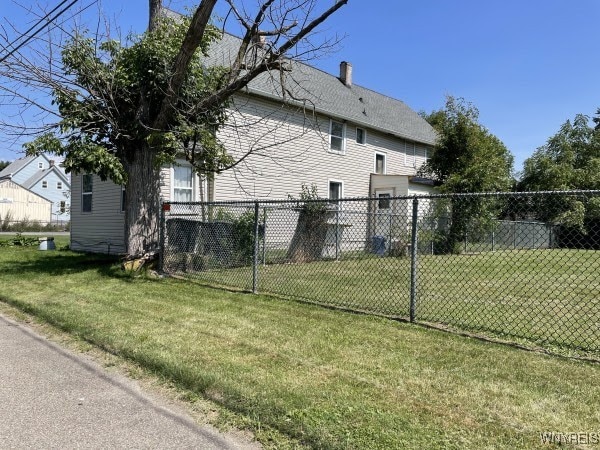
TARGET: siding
(102,230)
(30,169)
(53,194)
(22,204)
(291,148)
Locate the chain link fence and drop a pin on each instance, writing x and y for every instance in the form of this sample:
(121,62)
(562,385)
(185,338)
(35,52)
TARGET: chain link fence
(521,266)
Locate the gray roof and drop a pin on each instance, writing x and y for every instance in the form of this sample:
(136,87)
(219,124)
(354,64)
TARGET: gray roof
(16,165)
(330,96)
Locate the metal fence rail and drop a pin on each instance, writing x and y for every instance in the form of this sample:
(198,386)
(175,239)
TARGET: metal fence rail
(522,266)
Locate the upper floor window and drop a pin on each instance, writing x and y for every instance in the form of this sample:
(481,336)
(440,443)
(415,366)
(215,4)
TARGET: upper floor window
(380,163)
(63,206)
(361,136)
(337,131)
(59,185)
(40,165)
(183,184)
(87,187)
(44,184)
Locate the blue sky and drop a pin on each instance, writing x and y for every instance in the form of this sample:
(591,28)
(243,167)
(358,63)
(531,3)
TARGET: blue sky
(527,65)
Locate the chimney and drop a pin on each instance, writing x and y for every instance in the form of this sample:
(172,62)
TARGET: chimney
(346,73)
(51,163)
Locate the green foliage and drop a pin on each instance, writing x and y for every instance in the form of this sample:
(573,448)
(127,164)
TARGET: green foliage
(467,158)
(115,94)
(4,164)
(569,160)
(19,241)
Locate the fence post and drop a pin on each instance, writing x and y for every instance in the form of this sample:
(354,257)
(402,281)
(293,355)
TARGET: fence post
(161,238)
(413,260)
(264,246)
(255,253)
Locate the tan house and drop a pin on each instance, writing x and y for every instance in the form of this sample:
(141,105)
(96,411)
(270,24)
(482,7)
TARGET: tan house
(19,204)
(336,139)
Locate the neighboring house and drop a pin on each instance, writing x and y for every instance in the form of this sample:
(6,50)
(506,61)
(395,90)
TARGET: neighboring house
(41,175)
(335,140)
(18,204)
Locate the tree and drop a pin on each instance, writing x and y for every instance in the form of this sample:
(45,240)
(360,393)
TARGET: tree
(467,158)
(124,110)
(570,160)
(4,164)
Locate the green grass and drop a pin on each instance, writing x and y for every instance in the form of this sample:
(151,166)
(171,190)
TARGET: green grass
(549,297)
(303,374)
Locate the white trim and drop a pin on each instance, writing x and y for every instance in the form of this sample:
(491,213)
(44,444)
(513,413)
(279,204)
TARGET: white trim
(182,163)
(364,136)
(384,163)
(59,185)
(44,184)
(414,152)
(90,193)
(343,137)
(340,182)
(40,165)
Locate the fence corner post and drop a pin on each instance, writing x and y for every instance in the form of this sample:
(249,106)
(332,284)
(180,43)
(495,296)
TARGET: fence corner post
(413,259)
(255,253)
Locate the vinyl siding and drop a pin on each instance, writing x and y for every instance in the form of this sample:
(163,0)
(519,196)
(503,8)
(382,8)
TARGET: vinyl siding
(30,169)
(103,229)
(291,148)
(53,194)
(21,204)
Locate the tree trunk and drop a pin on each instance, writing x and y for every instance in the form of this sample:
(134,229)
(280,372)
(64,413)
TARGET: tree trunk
(142,208)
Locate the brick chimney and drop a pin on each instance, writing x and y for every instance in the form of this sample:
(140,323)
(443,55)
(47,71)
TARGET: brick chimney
(51,163)
(346,73)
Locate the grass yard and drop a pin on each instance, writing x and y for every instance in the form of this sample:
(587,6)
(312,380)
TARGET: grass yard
(549,297)
(297,374)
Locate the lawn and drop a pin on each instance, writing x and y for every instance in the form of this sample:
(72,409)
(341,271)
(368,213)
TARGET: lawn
(297,374)
(547,297)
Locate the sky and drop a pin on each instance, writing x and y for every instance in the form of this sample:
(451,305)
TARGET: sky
(527,65)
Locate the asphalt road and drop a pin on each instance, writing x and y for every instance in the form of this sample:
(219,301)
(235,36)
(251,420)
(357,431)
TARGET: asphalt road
(53,398)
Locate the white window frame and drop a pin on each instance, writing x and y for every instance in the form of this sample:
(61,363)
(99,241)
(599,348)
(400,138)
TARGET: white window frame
(342,137)
(384,163)
(87,193)
(45,184)
(62,206)
(364,139)
(194,183)
(59,185)
(341,184)
(40,165)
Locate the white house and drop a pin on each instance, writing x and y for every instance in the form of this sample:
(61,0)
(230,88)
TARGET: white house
(41,175)
(341,135)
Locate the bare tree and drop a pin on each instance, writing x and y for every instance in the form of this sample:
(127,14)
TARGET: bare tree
(120,111)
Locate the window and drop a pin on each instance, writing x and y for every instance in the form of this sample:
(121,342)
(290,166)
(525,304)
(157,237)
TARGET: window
(361,136)
(183,184)
(63,206)
(123,198)
(59,185)
(335,190)
(44,184)
(87,186)
(383,201)
(380,163)
(336,136)
(409,154)
(40,165)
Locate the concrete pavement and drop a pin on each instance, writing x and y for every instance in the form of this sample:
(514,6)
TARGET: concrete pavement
(53,398)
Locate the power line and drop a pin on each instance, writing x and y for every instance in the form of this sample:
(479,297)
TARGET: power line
(52,19)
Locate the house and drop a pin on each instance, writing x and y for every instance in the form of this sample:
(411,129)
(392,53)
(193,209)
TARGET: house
(336,138)
(20,204)
(42,176)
